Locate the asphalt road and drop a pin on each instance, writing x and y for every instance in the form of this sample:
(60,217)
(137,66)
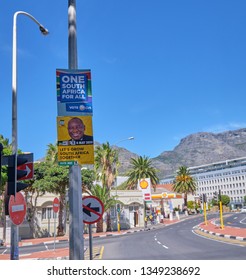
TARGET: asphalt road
(236,220)
(176,242)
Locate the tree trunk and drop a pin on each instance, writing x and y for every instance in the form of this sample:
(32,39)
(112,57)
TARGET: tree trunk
(100,225)
(60,228)
(109,226)
(185,200)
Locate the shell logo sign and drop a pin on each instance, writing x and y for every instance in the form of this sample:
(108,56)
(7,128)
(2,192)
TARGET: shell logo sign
(144,184)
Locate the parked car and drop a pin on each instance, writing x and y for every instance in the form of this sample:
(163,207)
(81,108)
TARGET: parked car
(243,209)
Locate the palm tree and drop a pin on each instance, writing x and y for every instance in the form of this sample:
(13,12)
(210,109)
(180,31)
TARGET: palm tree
(141,168)
(184,183)
(52,153)
(106,164)
(108,201)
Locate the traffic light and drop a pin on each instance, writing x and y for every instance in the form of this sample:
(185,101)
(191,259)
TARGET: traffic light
(215,196)
(219,196)
(204,198)
(201,198)
(15,173)
(118,208)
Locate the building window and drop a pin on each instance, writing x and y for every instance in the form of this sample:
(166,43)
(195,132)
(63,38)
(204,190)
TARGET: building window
(48,213)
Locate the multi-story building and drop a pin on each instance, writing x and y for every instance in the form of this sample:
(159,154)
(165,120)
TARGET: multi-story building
(228,177)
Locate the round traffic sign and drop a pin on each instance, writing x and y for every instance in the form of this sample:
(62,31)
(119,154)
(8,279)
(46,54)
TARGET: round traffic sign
(17,208)
(56,204)
(93,209)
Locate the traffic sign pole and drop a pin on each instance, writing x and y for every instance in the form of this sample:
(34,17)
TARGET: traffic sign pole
(93,209)
(90,242)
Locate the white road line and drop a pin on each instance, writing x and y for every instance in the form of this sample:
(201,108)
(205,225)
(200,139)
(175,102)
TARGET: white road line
(159,243)
(243,221)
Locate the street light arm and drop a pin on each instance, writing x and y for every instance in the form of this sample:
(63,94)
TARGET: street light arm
(129,138)
(43,30)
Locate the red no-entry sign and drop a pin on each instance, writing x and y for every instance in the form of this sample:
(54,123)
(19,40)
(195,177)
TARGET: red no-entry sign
(56,204)
(17,208)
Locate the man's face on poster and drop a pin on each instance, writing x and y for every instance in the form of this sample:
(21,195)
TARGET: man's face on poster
(76,129)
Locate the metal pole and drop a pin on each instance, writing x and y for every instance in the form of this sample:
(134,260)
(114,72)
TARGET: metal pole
(90,242)
(76,241)
(14,229)
(14,254)
(55,232)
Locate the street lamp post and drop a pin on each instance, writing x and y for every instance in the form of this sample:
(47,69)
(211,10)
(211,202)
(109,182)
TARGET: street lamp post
(116,210)
(44,31)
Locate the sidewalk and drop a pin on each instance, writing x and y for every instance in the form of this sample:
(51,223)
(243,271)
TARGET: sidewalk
(211,228)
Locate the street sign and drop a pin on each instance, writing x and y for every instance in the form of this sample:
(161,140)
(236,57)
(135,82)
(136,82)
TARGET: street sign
(17,208)
(28,166)
(93,209)
(56,205)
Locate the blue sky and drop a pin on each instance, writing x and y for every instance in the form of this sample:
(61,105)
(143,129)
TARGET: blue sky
(161,69)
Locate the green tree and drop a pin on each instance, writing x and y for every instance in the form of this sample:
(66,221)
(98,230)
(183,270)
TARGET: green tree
(108,201)
(141,168)
(37,188)
(184,183)
(106,165)
(88,179)
(225,199)
(56,181)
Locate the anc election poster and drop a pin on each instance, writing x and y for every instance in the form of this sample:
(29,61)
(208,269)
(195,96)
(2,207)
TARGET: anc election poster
(75,140)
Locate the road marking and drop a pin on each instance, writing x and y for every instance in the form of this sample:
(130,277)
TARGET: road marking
(158,242)
(97,253)
(242,221)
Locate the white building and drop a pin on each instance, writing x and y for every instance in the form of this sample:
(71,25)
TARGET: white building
(228,177)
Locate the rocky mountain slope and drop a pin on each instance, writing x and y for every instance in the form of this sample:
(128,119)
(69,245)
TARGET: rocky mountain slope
(195,149)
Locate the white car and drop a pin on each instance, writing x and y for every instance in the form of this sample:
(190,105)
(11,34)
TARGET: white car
(243,209)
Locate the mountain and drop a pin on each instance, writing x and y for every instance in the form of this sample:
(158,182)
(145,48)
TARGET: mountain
(195,149)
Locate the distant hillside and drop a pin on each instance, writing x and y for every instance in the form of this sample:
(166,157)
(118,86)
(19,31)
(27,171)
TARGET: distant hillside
(196,149)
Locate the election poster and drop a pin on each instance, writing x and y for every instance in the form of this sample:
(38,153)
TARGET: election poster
(74,95)
(75,140)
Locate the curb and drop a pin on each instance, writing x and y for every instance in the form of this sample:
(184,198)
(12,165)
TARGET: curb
(223,235)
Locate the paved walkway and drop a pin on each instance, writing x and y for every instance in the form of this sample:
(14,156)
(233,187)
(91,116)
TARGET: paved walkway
(210,228)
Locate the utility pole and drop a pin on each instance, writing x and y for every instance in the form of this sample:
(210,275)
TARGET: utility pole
(76,240)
